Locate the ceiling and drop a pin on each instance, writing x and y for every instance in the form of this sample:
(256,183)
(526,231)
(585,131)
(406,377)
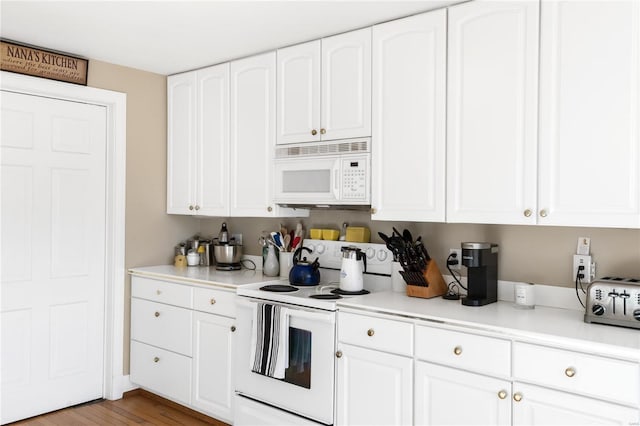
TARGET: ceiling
(167,37)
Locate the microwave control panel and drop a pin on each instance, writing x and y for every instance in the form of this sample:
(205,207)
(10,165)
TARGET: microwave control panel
(354,179)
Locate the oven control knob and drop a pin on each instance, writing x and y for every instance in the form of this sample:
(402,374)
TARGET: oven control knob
(311,247)
(636,314)
(597,309)
(382,255)
(319,249)
(370,253)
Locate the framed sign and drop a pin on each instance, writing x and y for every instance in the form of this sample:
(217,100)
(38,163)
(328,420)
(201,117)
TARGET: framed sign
(42,63)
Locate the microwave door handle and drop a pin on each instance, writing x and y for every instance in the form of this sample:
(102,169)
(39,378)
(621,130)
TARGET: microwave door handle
(336,181)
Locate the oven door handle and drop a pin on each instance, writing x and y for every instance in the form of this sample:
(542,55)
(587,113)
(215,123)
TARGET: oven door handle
(293,312)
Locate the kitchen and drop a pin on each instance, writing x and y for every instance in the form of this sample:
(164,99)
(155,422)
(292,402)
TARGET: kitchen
(523,248)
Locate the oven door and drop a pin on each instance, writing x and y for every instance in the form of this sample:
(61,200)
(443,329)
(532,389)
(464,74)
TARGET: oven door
(307,388)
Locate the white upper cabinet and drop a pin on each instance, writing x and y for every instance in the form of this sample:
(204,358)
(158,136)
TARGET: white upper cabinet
(408,135)
(299,93)
(492,112)
(252,134)
(324,89)
(198,141)
(590,114)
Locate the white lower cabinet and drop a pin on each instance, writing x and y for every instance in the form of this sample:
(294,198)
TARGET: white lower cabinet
(181,344)
(535,405)
(393,371)
(438,390)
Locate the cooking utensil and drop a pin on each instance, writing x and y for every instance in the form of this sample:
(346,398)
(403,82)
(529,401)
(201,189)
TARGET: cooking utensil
(304,273)
(287,242)
(227,253)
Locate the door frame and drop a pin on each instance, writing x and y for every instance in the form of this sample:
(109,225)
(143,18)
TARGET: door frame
(114,383)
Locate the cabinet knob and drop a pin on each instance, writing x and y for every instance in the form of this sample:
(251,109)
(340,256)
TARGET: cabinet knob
(233,328)
(543,213)
(156,359)
(212,301)
(157,314)
(502,394)
(517,397)
(190,207)
(197,207)
(323,131)
(373,210)
(370,332)
(314,132)
(527,213)
(158,292)
(269,209)
(457,350)
(570,372)
(339,354)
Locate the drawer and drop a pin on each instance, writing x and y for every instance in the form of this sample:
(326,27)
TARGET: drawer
(577,372)
(161,291)
(214,301)
(471,352)
(165,326)
(160,371)
(376,333)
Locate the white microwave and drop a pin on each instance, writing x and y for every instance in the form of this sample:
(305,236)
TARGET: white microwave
(324,174)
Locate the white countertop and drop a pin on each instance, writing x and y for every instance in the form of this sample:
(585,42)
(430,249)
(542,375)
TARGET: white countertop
(558,327)
(207,275)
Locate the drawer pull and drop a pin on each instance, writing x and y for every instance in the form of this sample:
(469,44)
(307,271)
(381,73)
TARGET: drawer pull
(212,301)
(502,394)
(156,359)
(157,314)
(457,350)
(339,354)
(370,332)
(517,397)
(233,328)
(570,372)
(158,292)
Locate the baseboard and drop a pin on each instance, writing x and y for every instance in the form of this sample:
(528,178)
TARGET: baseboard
(121,384)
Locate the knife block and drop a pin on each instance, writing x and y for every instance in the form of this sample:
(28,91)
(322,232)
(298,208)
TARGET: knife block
(436,286)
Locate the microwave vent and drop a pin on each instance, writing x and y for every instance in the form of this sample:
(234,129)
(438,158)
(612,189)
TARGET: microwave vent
(324,148)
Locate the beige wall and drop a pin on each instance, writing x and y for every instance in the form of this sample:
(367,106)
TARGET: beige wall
(528,253)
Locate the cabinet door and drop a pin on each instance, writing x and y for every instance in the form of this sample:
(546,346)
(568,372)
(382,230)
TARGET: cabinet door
(213,141)
(408,140)
(299,93)
(374,388)
(253,118)
(213,385)
(181,143)
(590,114)
(542,406)
(346,85)
(492,112)
(487,401)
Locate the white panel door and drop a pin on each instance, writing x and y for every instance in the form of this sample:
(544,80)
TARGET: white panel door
(408,140)
(492,112)
(487,401)
(181,143)
(373,388)
(213,384)
(253,118)
(52,242)
(298,97)
(537,406)
(346,85)
(590,113)
(212,153)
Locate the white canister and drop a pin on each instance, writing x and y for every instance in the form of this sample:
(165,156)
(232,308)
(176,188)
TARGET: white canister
(193,258)
(524,295)
(286,262)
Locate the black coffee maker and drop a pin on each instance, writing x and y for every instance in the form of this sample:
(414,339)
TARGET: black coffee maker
(481,260)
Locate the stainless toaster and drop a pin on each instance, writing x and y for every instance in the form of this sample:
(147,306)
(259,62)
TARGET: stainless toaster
(615,301)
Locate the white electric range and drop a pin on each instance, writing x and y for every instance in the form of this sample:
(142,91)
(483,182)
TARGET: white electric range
(305,393)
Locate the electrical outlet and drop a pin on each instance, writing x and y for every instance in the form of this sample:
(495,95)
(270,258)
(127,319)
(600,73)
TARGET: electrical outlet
(238,238)
(588,271)
(458,253)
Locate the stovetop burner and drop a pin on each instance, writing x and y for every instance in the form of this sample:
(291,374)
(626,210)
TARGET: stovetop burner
(326,296)
(350,293)
(279,288)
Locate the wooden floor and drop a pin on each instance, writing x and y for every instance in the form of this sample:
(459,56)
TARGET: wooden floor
(137,407)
